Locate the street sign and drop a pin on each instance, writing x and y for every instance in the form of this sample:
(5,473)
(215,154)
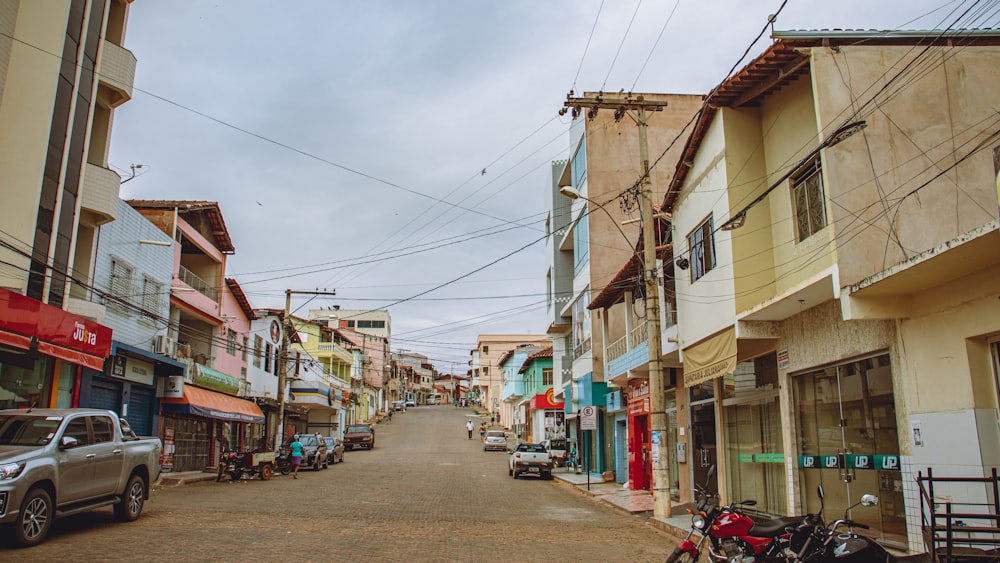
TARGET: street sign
(588,418)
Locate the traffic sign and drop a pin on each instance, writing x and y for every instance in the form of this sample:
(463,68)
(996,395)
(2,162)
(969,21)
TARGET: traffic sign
(588,418)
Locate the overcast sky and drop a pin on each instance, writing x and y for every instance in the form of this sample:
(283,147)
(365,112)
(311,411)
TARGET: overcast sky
(346,141)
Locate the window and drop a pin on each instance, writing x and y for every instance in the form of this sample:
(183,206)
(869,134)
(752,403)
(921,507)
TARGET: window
(246,344)
(486,350)
(546,376)
(102,429)
(581,244)
(267,357)
(151,290)
(231,342)
(701,243)
(370,324)
(121,283)
(258,343)
(350,324)
(809,200)
(581,325)
(77,428)
(579,166)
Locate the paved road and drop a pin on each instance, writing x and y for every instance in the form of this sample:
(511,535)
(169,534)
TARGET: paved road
(425,493)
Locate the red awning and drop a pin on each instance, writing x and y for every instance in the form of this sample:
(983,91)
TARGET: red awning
(15,340)
(202,402)
(72,356)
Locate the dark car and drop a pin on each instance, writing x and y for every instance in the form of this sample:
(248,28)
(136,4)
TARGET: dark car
(359,436)
(313,451)
(334,450)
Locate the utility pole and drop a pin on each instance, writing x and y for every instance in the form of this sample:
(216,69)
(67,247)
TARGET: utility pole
(283,366)
(637,108)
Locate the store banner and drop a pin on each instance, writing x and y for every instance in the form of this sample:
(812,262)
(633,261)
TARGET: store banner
(710,358)
(212,379)
(546,400)
(32,318)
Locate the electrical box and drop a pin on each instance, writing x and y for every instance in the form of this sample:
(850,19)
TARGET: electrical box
(682,455)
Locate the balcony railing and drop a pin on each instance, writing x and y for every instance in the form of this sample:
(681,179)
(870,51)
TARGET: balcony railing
(623,345)
(198,284)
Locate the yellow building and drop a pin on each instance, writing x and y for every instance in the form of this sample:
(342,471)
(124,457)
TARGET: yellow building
(835,238)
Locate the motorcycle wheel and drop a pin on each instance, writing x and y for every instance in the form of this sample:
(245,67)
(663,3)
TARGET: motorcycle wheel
(285,468)
(681,556)
(222,469)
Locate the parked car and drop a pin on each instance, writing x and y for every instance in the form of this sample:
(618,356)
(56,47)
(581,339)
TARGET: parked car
(334,450)
(359,436)
(557,449)
(313,450)
(58,462)
(411,402)
(496,440)
(530,458)
(399,405)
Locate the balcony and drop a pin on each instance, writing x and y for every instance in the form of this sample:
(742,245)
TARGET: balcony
(198,284)
(100,193)
(117,72)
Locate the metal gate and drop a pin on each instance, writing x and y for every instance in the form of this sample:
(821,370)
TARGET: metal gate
(105,394)
(140,410)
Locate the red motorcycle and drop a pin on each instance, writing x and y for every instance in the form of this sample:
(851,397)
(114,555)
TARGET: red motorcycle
(733,536)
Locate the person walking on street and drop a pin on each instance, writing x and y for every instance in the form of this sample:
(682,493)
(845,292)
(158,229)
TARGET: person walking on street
(296,446)
(390,417)
(482,431)
(469,427)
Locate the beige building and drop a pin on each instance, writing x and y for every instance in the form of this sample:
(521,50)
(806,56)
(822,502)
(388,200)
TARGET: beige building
(487,380)
(835,237)
(60,82)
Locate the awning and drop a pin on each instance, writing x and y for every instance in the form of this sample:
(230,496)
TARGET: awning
(72,356)
(710,358)
(15,340)
(202,402)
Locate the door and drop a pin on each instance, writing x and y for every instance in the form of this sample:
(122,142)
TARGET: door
(109,456)
(140,409)
(850,443)
(704,445)
(76,465)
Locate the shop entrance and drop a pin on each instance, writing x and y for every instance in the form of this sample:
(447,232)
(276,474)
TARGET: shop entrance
(850,443)
(704,450)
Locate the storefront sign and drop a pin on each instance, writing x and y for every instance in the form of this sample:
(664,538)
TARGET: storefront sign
(852,461)
(171,387)
(638,397)
(131,369)
(29,317)
(545,400)
(211,379)
(783,359)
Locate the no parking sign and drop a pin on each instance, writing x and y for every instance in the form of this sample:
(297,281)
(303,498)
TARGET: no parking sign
(588,418)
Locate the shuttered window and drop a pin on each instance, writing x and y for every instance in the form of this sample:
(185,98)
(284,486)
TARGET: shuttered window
(121,284)
(151,290)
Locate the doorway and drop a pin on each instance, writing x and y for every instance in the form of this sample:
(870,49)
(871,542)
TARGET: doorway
(850,443)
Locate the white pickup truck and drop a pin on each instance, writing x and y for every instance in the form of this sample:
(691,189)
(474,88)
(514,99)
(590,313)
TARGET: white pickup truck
(530,458)
(58,462)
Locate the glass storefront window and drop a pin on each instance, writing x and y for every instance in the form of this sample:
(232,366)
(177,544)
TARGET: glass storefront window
(673,467)
(67,381)
(849,442)
(23,380)
(754,448)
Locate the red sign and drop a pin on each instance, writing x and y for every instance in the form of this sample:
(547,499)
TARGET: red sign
(26,316)
(638,397)
(546,401)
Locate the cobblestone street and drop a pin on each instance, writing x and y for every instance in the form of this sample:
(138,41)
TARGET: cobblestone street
(425,493)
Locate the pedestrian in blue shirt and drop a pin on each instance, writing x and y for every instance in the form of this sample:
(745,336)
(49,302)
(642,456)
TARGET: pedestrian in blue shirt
(296,446)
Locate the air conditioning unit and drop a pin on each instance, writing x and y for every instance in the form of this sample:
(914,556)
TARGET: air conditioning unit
(365,358)
(163,345)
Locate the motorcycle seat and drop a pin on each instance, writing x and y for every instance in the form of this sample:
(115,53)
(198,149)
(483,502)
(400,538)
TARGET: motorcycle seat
(776,527)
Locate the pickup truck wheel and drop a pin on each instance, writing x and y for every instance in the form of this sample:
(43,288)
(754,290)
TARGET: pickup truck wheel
(132,500)
(517,474)
(316,465)
(547,476)
(35,519)
(510,471)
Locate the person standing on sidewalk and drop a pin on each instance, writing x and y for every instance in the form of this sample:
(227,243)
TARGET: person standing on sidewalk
(469,427)
(296,446)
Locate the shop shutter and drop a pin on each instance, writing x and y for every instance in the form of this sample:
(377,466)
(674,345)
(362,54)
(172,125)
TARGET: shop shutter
(105,394)
(140,410)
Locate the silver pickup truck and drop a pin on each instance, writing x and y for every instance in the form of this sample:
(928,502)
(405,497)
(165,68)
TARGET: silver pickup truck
(58,462)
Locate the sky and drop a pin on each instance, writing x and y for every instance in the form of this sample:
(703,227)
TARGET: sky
(397,152)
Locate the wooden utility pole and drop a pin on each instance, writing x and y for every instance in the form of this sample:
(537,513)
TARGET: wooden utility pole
(287,328)
(637,108)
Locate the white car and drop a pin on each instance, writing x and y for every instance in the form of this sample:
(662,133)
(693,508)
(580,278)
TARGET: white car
(530,458)
(495,440)
(557,449)
(411,402)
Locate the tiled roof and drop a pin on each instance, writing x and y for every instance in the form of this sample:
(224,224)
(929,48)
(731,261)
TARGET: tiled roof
(209,208)
(241,298)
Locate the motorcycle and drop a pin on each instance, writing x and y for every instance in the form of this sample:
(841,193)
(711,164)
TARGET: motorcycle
(283,461)
(248,465)
(231,464)
(733,536)
(814,542)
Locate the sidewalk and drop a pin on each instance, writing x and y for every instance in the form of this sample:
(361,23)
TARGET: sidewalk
(637,503)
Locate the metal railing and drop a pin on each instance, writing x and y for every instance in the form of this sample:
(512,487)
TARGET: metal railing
(198,284)
(620,347)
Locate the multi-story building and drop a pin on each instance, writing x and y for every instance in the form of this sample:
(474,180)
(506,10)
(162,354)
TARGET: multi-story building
(487,382)
(133,267)
(63,73)
(210,319)
(586,250)
(545,418)
(321,376)
(513,395)
(376,322)
(835,234)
